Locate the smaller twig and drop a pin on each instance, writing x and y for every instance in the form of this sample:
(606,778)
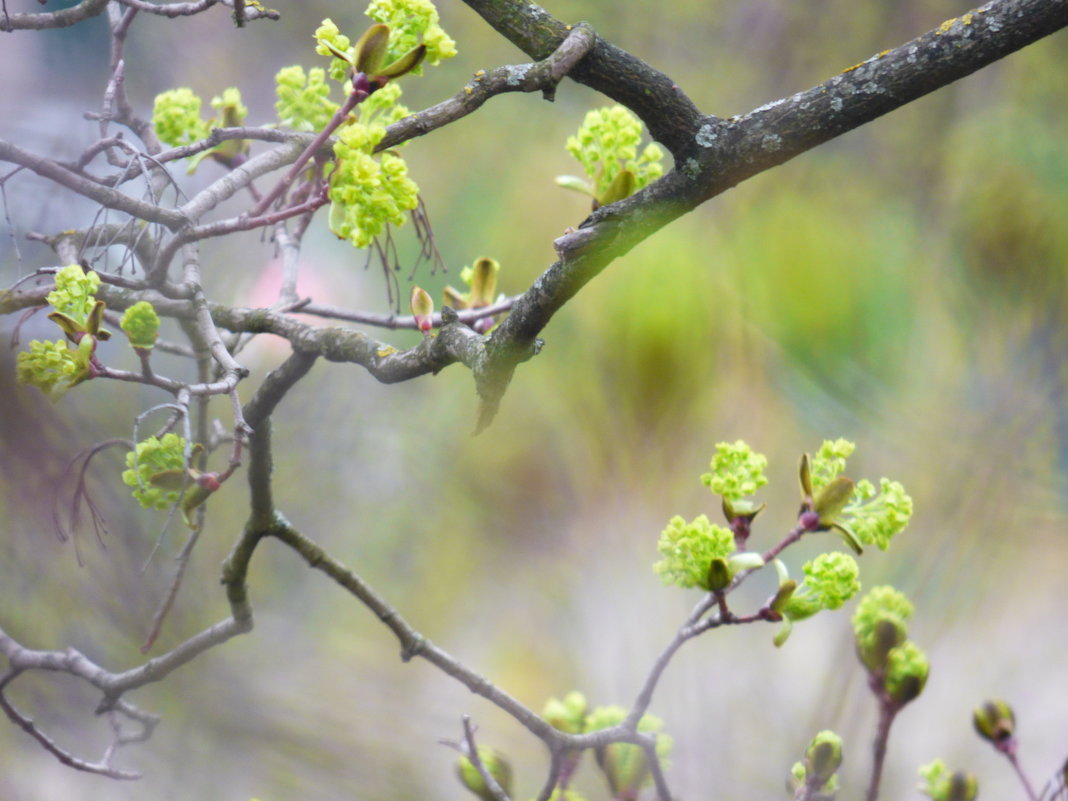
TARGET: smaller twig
(648,744)
(540,76)
(1028,788)
(68,759)
(81,493)
(887,712)
(394,321)
(181,562)
(356,96)
(242,11)
(556,772)
(471,752)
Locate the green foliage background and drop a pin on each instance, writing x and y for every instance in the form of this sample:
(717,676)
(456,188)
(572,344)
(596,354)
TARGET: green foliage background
(902,287)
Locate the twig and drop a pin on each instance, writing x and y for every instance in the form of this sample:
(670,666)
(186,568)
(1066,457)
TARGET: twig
(27,725)
(471,752)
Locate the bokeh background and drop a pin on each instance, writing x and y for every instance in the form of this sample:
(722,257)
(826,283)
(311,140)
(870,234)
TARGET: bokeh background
(903,286)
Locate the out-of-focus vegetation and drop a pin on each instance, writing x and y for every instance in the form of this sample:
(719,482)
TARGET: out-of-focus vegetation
(903,286)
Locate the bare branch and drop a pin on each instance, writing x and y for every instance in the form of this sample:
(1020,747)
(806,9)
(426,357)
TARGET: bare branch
(63,18)
(110,198)
(100,768)
(543,75)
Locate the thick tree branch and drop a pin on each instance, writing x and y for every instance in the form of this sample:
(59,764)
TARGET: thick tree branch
(63,18)
(670,116)
(722,153)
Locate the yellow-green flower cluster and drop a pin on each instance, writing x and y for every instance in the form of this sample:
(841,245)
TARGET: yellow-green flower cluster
(831,579)
(150,458)
(412,21)
(329,41)
(879,626)
(141,324)
(882,603)
(906,671)
(830,461)
(736,471)
(382,107)
(54,367)
(75,292)
(367,194)
(607,144)
(176,117)
(567,715)
(303,102)
(875,517)
(688,550)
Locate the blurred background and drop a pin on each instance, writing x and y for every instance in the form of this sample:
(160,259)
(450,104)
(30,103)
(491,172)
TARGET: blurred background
(903,286)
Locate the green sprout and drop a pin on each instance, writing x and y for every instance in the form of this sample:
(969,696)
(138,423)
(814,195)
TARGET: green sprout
(607,148)
(876,516)
(569,714)
(822,758)
(141,324)
(830,581)
(481,280)
(54,367)
(689,551)
(879,624)
(736,471)
(303,100)
(409,21)
(907,669)
(858,512)
(153,457)
(367,194)
(830,461)
(176,119)
(75,292)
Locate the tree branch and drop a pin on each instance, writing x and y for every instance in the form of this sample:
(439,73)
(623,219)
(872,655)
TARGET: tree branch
(63,18)
(670,116)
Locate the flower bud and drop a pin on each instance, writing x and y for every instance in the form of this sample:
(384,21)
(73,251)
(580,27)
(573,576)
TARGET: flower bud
(822,758)
(994,721)
(719,575)
(422,306)
(625,767)
(962,787)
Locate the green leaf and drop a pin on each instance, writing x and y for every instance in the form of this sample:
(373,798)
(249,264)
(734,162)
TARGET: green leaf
(169,479)
(622,186)
(371,49)
(405,64)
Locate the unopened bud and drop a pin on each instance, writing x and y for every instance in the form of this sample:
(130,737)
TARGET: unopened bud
(962,787)
(822,758)
(995,721)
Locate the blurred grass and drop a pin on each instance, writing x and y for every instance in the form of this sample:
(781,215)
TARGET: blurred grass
(902,286)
